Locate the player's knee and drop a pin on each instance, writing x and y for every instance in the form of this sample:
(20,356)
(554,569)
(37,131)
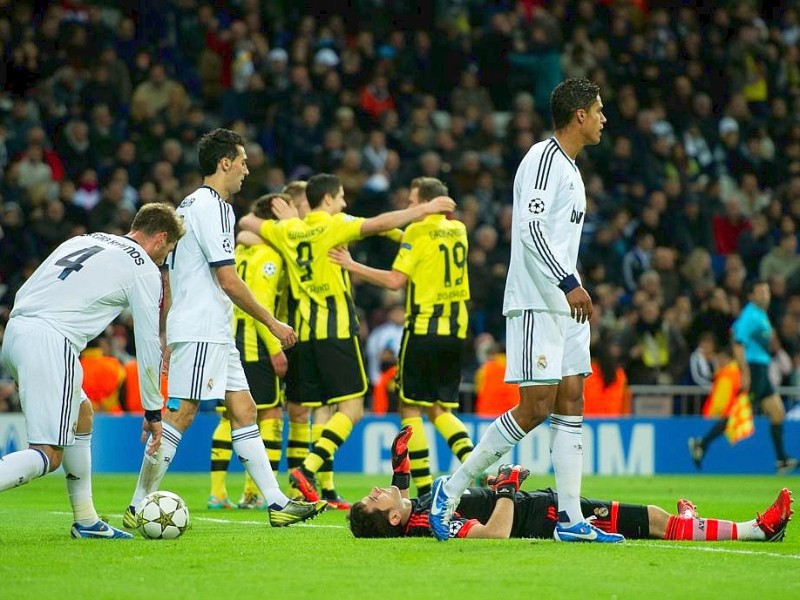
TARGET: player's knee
(54,455)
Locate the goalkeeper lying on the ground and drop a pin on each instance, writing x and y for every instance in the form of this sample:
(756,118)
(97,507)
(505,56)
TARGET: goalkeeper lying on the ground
(503,511)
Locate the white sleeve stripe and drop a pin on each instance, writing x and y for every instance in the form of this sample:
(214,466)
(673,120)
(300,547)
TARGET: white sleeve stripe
(544,251)
(543,172)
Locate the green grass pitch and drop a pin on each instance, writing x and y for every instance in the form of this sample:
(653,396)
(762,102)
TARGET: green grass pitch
(235,554)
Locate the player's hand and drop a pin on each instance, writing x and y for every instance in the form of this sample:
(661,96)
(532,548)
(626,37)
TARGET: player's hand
(439,205)
(282,331)
(580,304)
(508,480)
(279,363)
(153,430)
(400,461)
(282,209)
(341,256)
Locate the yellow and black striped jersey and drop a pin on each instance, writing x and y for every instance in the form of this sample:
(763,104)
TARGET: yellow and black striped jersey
(433,255)
(321,288)
(261,268)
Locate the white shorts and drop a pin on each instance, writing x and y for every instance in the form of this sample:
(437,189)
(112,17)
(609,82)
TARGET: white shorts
(205,371)
(543,347)
(46,368)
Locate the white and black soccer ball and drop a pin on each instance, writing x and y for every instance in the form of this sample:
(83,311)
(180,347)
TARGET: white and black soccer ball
(162,516)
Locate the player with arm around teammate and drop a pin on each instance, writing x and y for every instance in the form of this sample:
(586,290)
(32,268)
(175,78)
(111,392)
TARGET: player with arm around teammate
(503,511)
(431,265)
(70,299)
(329,358)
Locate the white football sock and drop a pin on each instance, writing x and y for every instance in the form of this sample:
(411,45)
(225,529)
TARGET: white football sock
(21,467)
(155,467)
(77,464)
(502,435)
(249,448)
(566,451)
(749,530)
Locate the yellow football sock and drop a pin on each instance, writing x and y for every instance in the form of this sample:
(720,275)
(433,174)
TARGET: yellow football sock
(336,431)
(272,434)
(455,432)
(418,453)
(221,452)
(325,473)
(297,447)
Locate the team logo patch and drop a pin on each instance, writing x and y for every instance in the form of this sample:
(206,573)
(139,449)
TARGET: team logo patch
(601,512)
(349,218)
(405,246)
(541,362)
(187,202)
(210,383)
(536,206)
(270,269)
(227,245)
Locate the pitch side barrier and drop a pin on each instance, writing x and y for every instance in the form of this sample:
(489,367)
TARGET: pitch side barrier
(642,444)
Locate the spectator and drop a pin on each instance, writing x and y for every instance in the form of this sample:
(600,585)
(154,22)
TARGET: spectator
(637,260)
(656,351)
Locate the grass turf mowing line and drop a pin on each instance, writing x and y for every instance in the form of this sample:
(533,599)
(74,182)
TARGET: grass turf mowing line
(237,554)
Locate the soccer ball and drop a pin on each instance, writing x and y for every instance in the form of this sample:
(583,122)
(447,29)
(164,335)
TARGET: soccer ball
(162,516)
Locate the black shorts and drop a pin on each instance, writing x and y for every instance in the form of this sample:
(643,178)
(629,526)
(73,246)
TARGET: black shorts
(329,371)
(430,369)
(291,381)
(760,385)
(536,512)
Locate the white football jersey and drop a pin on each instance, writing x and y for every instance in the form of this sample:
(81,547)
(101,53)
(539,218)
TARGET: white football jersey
(549,208)
(201,311)
(85,283)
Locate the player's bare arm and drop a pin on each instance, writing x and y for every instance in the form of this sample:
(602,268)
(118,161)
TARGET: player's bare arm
(744,368)
(393,280)
(399,218)
(242,297)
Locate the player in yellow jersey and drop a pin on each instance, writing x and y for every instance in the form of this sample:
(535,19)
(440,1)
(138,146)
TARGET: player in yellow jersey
(302,434)
(261,267)
(432,266)
(329,359)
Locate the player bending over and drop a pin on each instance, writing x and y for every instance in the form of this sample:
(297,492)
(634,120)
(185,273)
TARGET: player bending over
(503,511)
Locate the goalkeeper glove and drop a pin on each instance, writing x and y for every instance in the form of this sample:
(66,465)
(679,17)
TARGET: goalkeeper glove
(401,464)
(508,480)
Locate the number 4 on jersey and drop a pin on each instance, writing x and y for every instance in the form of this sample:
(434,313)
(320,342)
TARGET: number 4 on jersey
(74,260)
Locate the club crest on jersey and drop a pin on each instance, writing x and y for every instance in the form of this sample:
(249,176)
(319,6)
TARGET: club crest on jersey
(541,362)
(187,202)
(270,269)
(536,206)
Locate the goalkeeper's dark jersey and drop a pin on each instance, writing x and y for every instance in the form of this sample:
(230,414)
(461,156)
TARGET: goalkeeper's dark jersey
(535,515)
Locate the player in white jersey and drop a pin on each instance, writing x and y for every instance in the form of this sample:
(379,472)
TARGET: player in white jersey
(68,301)
(204,362)
(547,313)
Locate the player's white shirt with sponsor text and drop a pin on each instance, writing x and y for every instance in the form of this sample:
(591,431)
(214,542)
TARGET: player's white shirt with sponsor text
(548,213)
(201,311)
(85,284)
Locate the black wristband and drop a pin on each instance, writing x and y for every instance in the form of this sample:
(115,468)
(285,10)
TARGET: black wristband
(152,416)
(506,491)
(569,283)
(401,481)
